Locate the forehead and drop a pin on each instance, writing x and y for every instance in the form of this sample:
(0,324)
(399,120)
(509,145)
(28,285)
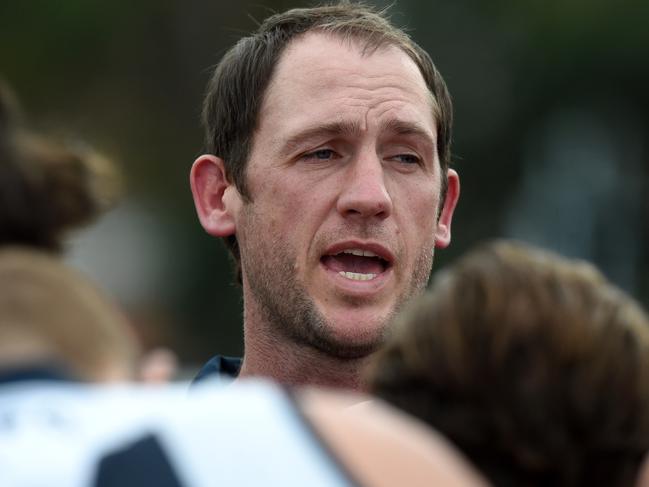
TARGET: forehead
(321,72)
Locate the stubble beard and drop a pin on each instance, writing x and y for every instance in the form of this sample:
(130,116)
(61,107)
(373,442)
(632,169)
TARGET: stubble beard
(290,314)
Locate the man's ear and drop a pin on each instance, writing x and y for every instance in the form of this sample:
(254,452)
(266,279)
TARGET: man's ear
(443,232)
(216,199)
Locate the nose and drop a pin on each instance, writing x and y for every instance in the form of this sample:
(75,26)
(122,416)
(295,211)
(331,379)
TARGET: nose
(364,192)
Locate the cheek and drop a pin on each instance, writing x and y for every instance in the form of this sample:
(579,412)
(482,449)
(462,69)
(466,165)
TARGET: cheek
(420,201)
(275,216)
(425,206)
(420,215)
(299,203)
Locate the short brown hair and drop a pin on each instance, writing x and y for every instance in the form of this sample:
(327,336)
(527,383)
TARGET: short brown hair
(534,365)
(238,85)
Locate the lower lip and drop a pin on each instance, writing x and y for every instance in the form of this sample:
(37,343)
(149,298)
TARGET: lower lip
(359,288)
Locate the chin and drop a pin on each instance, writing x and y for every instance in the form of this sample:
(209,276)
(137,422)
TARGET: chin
(356,338)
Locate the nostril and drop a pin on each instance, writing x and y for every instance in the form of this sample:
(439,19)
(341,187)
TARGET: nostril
(366,212)
(376,204)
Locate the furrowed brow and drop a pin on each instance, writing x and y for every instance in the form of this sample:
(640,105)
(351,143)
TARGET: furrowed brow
(327,130)
(401,127)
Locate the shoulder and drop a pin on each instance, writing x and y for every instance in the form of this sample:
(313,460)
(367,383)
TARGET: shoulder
(382,446)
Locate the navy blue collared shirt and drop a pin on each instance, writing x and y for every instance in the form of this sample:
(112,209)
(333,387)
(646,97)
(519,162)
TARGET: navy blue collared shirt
(40,372)
(219,366)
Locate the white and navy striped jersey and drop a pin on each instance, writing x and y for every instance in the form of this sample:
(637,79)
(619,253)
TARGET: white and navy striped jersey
(76,435)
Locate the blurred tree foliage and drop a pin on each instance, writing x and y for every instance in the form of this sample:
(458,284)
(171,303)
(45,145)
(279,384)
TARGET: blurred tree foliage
(129,77)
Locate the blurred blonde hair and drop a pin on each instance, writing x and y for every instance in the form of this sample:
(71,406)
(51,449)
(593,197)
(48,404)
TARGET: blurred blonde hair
(50,312)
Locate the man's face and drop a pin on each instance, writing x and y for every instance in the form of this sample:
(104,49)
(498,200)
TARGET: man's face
(344,180)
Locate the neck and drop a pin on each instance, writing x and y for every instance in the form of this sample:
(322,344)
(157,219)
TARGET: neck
(293,364)
(276,355)
(268,354)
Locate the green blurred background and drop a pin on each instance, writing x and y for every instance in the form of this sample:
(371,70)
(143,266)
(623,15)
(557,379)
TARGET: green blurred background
(551,135)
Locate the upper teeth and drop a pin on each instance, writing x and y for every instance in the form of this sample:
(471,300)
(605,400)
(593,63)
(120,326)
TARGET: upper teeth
(362,253)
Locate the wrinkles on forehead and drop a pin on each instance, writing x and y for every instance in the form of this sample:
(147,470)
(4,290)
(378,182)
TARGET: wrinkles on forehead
(288,71)
(322,90)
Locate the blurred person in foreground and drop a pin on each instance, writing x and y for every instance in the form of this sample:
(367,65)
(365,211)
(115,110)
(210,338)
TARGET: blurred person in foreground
(328,142)
(534,365)
(62,339)
(59,334)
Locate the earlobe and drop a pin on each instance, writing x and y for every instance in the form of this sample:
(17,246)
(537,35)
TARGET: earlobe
(443,231)
(209,185)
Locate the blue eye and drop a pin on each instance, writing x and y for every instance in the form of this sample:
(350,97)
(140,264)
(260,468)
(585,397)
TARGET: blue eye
(408,158)
(320,154)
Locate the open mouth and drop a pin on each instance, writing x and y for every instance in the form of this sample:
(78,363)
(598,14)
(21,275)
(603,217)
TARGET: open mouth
(356,264)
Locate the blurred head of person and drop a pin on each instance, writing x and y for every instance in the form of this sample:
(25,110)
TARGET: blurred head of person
(534,365)
(49,313)
(47,187)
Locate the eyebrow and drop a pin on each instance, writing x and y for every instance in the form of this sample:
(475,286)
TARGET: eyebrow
(401,127)
(353,128)
(327,130)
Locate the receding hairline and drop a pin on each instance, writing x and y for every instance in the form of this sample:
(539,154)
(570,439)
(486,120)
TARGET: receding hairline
(358,42)
(367,46)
